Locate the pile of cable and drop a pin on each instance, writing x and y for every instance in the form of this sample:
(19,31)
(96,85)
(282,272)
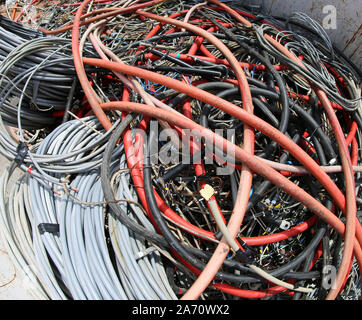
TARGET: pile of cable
(37,77)
(211,154)
(59,233)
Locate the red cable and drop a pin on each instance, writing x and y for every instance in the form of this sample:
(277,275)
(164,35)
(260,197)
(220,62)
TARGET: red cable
(235,111)
(255,164)
(163,114)
(353,141)
(350,202)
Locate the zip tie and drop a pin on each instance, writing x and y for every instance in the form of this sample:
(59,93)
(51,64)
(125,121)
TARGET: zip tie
(52,228)
(141,254)
(22,151)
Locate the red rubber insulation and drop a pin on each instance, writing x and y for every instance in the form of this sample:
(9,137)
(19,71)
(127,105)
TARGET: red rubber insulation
(350,201)
(253,162)
(228,107)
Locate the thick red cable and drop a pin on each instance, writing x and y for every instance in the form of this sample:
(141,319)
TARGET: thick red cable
(254,163)
(351,207)
(321,99)
(240,114)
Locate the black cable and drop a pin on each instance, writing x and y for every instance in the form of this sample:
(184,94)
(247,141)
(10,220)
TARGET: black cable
(108,192)
(187,255)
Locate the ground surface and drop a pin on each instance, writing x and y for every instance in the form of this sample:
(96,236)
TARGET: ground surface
(12,285)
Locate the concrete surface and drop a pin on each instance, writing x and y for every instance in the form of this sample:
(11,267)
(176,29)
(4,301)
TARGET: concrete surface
(12,285)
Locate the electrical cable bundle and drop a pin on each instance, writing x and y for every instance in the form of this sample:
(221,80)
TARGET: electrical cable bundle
(213,155)
(37,76)
(72,230)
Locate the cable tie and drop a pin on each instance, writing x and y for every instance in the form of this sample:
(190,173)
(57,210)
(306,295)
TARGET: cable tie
(248,254)
(144,253)
(21,153)
(52,228)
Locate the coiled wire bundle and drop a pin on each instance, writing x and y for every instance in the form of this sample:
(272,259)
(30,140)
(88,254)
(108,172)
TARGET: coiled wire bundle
(259,203)
(69,225)
(37,76)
